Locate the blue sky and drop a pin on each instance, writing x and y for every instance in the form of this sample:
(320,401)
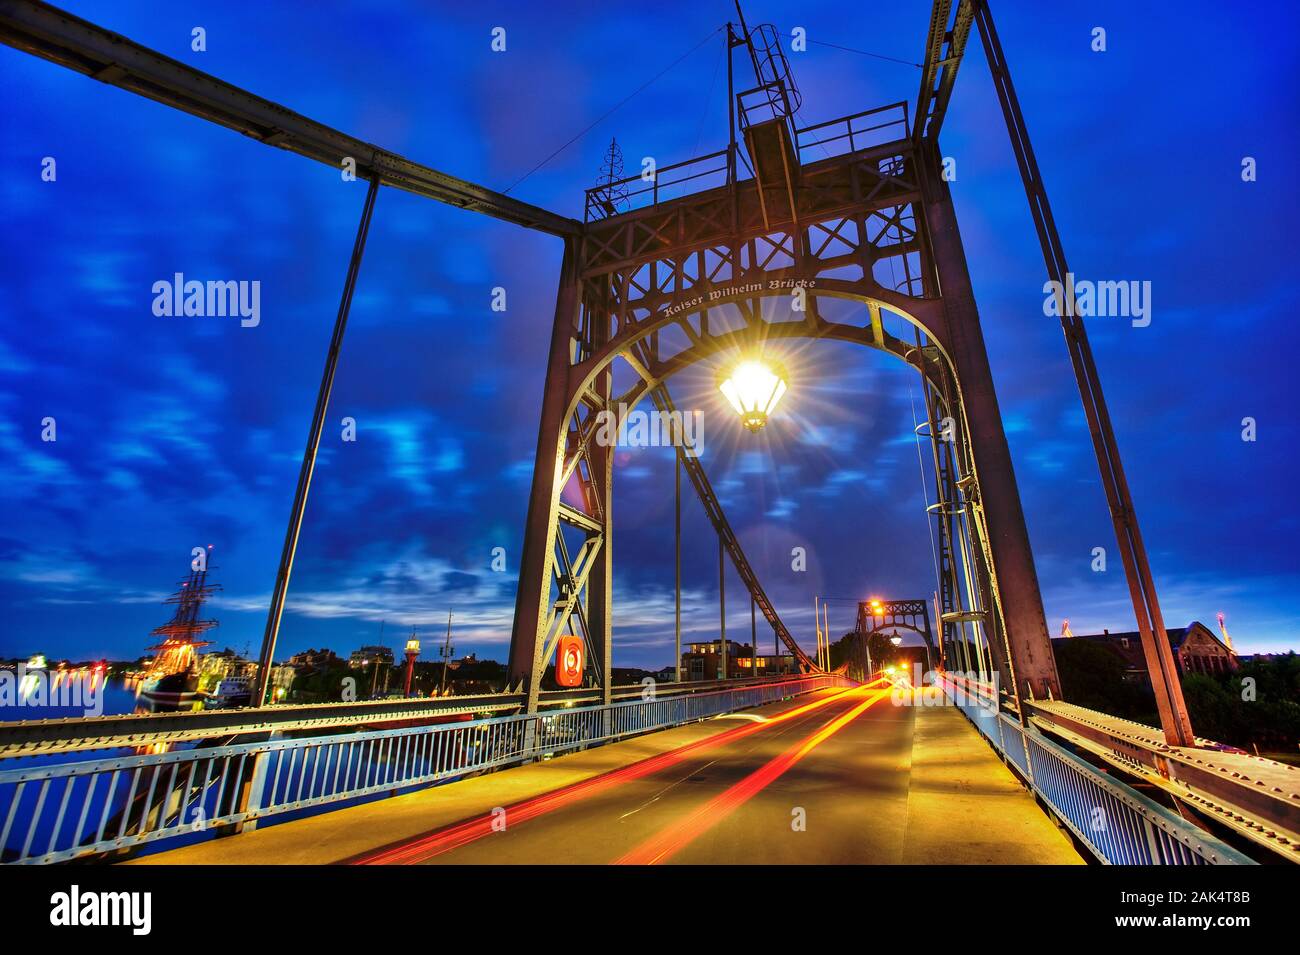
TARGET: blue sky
(176,432)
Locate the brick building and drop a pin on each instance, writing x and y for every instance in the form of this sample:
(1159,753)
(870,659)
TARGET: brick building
(1197,649)
(702,661)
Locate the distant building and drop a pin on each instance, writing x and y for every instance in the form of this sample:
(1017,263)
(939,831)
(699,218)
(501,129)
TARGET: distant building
(366,657)
(771,664)
(469,660)
(1196,649)
(215,667)
(703,661)
(627,676)
(313,659)
(468,676)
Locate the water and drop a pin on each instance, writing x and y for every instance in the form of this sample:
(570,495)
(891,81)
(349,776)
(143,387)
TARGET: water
(33,815)
(52,694)
(64,695)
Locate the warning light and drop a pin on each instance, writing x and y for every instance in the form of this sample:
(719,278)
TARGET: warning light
(569,662)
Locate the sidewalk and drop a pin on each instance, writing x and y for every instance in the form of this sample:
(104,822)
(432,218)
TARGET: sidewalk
(965,807)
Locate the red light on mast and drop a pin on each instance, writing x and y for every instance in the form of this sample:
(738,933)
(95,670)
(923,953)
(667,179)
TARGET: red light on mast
(569,662)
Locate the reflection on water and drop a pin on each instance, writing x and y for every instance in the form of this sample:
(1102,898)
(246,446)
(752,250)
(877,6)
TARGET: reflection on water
(104,800)
(53,694)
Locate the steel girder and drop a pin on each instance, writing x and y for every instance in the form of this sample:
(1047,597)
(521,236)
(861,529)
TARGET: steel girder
(1167,686)
(945,45)
(79,45)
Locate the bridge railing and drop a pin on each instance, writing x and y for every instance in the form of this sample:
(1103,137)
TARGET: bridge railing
(850,134)
(1116,822)
(55,813)
(664,183)
(23,739)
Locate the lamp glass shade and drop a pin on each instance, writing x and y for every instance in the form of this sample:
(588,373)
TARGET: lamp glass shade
(753,388)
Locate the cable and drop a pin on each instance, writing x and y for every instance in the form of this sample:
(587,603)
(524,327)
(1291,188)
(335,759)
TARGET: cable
(621,103)
(878,56)
(925,495)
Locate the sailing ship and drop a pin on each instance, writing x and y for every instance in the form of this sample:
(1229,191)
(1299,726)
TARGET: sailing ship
(171,679)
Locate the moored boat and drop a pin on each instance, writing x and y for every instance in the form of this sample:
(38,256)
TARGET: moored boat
(232,692)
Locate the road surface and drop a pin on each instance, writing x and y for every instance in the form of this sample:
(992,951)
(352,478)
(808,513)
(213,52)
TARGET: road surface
(834,776)
(825,780)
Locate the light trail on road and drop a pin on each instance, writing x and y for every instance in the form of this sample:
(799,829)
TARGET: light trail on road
(665,844)
(463,833)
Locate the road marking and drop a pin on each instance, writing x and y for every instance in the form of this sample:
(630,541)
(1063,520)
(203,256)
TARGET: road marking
(672,785)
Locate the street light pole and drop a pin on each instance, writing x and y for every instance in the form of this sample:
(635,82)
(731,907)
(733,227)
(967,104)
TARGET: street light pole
(776,653)
(826,632)
(722,607)
(817,625)
(753,638)
(447,651)
(677,562)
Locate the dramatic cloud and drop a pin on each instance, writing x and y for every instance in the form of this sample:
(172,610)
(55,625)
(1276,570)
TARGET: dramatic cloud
(175,432)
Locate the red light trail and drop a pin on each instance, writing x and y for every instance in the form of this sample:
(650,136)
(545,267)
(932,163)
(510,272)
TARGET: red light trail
(461,834)
(665,844)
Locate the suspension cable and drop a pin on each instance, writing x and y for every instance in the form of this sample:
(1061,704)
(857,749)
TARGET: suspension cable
(613,109)
(878,56)
(920,463)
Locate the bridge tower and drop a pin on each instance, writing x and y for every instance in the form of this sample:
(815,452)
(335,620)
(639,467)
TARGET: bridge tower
(734,252)
(692,269)
(888,616)
(741,251)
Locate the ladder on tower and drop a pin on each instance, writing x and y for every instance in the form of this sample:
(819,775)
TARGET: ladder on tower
(766,115)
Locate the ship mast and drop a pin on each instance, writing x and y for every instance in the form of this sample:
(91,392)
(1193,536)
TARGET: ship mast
(180,636)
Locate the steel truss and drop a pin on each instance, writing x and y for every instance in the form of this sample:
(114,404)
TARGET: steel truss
(878,616)
(680,281)
(630,282)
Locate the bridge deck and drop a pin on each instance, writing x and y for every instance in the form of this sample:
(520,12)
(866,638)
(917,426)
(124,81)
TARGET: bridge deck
(1258,797)
(873,782)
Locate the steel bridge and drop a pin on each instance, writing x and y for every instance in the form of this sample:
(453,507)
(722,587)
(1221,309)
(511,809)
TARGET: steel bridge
(701,262)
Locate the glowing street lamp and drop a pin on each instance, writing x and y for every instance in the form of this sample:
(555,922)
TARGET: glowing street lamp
(753,387)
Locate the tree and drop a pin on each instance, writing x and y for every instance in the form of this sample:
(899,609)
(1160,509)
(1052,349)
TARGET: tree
(1094,676)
